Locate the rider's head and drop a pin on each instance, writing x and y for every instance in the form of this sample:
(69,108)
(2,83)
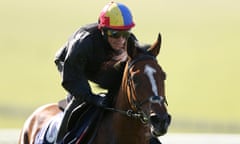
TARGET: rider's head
(115,20)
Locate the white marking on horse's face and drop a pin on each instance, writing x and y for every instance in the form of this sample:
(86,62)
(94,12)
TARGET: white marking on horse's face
(149,71)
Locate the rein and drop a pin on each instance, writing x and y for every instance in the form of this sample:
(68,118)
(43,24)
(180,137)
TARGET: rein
(139,114)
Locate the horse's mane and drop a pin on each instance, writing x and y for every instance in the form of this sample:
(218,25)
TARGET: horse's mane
(110,74)
(111,71)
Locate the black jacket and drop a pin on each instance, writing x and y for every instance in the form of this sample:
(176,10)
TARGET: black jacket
(82,58)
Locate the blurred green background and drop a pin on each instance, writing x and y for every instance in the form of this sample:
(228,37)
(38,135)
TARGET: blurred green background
(200,53)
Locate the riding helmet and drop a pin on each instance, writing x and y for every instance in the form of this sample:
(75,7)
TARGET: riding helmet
(116,16)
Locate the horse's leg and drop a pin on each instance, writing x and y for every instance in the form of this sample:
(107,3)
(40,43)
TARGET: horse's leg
(36,121)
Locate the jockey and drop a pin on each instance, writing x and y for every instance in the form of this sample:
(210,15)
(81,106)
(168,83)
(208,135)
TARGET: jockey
(87,51)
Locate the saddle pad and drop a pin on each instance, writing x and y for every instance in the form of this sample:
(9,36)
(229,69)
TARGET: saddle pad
(62,104)
(48,133)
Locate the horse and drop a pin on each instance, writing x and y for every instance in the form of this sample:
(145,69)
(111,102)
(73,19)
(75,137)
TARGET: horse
(140,106)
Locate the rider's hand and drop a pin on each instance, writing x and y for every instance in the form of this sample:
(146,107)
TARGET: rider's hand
(100,100)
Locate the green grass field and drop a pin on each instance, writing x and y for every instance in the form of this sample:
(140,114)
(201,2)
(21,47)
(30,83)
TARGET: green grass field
(199,53)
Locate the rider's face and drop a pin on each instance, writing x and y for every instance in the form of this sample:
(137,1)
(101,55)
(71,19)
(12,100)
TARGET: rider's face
(117,44)
(117,39)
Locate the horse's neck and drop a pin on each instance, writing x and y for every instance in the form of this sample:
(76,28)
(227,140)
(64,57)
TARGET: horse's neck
(127,129)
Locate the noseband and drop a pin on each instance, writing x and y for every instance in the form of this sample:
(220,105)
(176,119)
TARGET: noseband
(138,113)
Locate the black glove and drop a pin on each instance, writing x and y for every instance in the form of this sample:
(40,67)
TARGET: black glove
(100,100)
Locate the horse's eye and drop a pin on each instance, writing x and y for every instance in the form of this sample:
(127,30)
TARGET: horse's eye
(136,81)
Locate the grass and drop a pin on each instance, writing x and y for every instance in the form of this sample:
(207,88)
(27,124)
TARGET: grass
(199,53)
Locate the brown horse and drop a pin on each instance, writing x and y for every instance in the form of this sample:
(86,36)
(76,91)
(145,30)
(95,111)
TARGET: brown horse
(140,109)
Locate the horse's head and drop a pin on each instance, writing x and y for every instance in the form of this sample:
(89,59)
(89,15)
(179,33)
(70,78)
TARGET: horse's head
(145,87)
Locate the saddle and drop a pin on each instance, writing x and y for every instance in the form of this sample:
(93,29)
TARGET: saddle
(62,104)
(48,133)
(81,126)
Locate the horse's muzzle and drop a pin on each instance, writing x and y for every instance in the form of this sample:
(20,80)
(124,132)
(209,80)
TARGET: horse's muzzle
(159,124)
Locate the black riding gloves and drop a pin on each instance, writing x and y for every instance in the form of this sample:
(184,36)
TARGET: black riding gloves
(100,100)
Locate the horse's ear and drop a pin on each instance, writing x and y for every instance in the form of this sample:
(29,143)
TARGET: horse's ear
(131,47)
(155,48)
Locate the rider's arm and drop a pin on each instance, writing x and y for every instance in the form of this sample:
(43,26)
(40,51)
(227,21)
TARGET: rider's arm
(74,80)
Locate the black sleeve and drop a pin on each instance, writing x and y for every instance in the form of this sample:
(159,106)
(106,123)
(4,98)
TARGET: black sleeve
(74,79)
(60,56)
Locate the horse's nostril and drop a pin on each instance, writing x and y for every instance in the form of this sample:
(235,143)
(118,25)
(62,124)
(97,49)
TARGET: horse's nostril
(154,118)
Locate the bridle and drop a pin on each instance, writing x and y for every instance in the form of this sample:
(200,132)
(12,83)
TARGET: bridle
(136,111)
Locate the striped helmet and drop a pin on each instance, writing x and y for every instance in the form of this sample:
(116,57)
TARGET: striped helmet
(116,16)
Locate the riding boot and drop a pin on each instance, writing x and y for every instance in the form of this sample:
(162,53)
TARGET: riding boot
(154,140)
(64,124)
